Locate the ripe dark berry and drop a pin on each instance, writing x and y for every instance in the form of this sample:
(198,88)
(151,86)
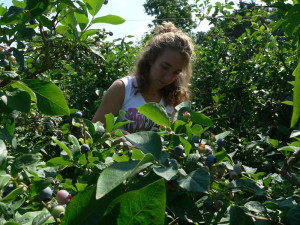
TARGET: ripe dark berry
(238,168)
(221,142)
(233,175)
(9,188)
(58,211)
(47,125)
(172,161)
(209,206)
(129,153)
(63,197)
(110,33)
(179,150)
(78,114)
(84,148)
(45,195)
(4,63)
(32,21)
(218,204)
(210,160)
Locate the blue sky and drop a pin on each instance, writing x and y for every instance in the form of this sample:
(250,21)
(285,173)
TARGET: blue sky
(130,10)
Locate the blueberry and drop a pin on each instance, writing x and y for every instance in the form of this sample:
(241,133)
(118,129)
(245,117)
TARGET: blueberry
(238,168)
(172,160)
(45,195)
(84,148)
(221,142)
(47,126)
(32,21)
(209,206)
(210,160)
(9,188)
(63,197)
(129,153)
(233,175)
(78,114)
(179,150)
(218,204)
(4,63)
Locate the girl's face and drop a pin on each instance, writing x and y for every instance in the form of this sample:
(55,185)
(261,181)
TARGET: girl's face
(166,68)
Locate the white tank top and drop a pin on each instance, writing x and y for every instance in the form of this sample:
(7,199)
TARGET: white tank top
(130,104)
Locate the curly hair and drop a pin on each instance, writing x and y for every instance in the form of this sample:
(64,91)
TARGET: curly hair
(167,36)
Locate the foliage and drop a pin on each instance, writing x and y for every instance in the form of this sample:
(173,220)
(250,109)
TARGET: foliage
(178,12)
(228,157)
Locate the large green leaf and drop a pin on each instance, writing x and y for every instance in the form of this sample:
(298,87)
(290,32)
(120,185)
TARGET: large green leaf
(82,19)
(296,97)
(196,181)
(17,100)
(293,215)
(184,208)
(155,112)
(111,19)
(64,147)
(94,6)
(37,7)
(22,161)
(291,21)
(238,217)
(117,173)
(202,119)
(144,206)
(147,141)
(12,195)
(50,99)
(166,172)
(85,209)
(4,179)
(69,20)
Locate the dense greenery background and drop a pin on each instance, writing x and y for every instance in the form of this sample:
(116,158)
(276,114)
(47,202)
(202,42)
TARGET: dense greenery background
(230,156)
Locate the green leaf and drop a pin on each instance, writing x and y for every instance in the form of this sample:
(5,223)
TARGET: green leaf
(119,172)
(94,6)
(296,96)
(109,125)
(147,141)
(295,133)
(37,7)
(256,207)
(85,209)
(12,195)
(3,153)
(187,146)
(166,172)
(22,161)
(4,135)
(17,100)
(7,211)
(222,135)
(111,19)
(41,218)
(64,147)
(155,112)
(148,208)
(184,208)
(202,119)
(238,217)
(4,179)
(69,20)
(58,161)
(9,75)
(82,19)
(197,181)
(20,4)
(50,99)
(220,155)
(19,56)
(291,21)
(293,215)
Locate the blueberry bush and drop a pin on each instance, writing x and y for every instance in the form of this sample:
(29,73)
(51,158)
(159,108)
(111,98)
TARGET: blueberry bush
(229,156)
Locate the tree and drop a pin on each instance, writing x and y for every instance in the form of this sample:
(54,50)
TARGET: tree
(177,11)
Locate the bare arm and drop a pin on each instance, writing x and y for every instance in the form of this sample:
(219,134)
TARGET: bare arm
(112,102)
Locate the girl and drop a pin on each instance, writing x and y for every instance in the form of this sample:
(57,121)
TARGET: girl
(162,75)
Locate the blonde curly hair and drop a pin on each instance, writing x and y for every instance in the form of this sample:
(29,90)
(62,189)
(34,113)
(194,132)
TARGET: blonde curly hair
(167,36)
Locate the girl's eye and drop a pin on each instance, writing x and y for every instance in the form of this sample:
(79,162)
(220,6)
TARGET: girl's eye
(164,66)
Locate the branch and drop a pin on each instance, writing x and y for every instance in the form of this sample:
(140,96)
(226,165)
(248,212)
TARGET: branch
(288,163)
(263,219)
